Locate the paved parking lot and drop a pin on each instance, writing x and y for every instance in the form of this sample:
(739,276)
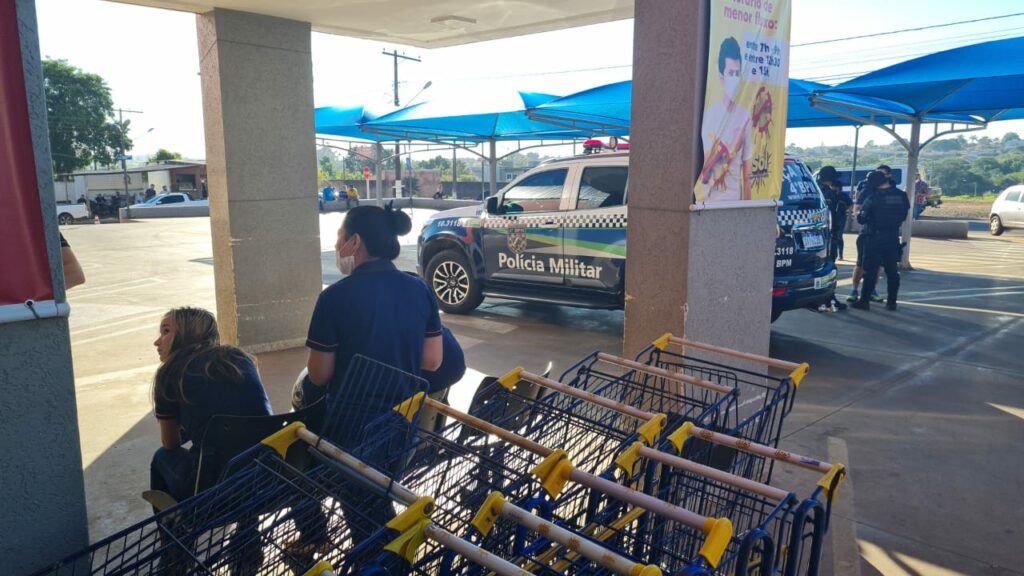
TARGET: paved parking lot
(925,405)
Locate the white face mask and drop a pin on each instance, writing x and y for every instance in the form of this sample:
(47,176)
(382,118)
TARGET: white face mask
(732,87)
(345,264)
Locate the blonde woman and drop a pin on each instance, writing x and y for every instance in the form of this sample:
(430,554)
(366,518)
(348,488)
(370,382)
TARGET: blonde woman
(198,377)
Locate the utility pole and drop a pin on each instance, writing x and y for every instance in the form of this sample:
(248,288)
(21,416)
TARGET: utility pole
(124,165)
(398,147)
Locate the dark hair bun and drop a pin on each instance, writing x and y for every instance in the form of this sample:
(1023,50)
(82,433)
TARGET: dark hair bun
(398,221)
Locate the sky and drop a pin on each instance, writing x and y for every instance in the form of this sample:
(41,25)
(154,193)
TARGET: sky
(150,60)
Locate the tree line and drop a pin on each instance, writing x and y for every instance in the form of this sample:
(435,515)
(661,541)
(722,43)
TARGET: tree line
(961,166)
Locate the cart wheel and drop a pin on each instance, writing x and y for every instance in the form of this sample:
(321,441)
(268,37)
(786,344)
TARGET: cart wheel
(450,278)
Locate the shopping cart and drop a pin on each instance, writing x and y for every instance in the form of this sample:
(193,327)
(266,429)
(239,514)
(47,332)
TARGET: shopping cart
(681,396)
(463,470)
(764,400)
(765,516)
(809,520)
(250,523)
(594,418)
(439,554)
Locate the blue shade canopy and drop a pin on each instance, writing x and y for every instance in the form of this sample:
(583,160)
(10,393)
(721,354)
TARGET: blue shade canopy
(471,117)
(801,114)
(983,79)
(345,121)
(606,109)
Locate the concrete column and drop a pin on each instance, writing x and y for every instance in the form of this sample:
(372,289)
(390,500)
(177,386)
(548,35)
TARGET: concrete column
(257,78)
(42,511)
(708,274)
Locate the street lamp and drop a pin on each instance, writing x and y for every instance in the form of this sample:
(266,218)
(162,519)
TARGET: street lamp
(398,144)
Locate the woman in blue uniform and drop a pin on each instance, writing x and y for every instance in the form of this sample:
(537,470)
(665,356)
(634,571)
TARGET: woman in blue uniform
(198,377)
(379,312)
(376,311)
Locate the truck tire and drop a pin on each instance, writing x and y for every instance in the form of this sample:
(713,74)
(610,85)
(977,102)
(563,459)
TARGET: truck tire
(64,218)
(451,280)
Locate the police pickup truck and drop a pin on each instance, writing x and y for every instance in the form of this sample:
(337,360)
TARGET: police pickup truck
(557,234)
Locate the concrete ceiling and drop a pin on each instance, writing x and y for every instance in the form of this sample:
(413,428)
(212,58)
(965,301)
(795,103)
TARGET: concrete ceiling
(422,23)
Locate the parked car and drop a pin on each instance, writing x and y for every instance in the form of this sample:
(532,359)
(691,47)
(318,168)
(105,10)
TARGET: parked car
(557,234)
(67,213)
(171,199)
(1007,211)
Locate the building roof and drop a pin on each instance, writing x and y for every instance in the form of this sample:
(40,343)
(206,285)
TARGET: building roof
(422,23)
(140,169)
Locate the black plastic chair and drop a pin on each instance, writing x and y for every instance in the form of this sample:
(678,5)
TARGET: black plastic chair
(228,436)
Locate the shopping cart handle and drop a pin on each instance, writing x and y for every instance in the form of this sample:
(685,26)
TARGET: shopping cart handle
(322,568)
(554,472)
(719,534)
(797,372)
(281,440)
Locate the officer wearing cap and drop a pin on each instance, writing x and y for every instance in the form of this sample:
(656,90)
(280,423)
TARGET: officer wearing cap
(839,202)
(881,216)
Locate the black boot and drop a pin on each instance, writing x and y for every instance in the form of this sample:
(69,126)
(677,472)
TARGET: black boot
(862,304)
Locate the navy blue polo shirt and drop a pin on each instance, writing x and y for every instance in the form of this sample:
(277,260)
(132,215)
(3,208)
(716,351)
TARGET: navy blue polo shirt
(453,364)
(379,312)
(206,393)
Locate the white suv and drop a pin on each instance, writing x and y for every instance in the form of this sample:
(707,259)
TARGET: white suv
(1007,211)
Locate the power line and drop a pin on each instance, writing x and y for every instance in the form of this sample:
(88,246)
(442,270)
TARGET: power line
(904,49)
(917,29)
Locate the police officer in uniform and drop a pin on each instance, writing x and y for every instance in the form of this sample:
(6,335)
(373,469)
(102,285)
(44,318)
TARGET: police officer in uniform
(881,216)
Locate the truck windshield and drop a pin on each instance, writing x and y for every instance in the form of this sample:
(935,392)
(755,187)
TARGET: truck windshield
(799,191)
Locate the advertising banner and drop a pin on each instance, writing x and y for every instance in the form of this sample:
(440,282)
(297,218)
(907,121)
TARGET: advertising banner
(743,131)
(24,265)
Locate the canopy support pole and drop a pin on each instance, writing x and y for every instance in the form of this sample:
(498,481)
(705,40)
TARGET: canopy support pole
(856,148)
(913,151)
(493,168)
(380,166)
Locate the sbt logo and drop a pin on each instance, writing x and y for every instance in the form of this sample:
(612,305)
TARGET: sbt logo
(559,266)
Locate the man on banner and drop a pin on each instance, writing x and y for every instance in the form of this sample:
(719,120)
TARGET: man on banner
(726,134)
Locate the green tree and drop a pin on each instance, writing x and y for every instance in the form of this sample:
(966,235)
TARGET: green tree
(946,145)
(80,112)
(1010,136)
(436,163)
(164,154)
(955,177)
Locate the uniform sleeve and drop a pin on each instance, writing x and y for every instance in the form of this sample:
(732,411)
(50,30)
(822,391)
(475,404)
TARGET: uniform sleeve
(433,315)
(866,209)
(748,140)
(323,326)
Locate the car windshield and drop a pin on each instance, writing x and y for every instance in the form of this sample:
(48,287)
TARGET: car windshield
(799,191)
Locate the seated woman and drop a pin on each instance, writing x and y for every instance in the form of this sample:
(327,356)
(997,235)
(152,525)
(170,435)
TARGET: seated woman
(376,311)
(198,378)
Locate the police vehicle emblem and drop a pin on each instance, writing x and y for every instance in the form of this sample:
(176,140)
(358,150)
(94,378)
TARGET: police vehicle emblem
(517,240)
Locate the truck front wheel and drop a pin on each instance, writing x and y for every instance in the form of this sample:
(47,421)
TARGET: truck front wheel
(65,218)
(452,282)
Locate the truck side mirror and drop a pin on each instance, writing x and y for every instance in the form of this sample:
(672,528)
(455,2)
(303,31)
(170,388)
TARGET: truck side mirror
(492,205)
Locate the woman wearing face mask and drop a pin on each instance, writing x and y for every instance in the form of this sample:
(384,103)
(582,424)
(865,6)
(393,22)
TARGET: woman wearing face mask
(376,311)
(198,377)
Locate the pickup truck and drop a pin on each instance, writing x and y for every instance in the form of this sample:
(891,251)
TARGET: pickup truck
(68,213)
(171,199)
(557,234)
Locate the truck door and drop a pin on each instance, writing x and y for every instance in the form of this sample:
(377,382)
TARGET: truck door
(523,242)
(594,236)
